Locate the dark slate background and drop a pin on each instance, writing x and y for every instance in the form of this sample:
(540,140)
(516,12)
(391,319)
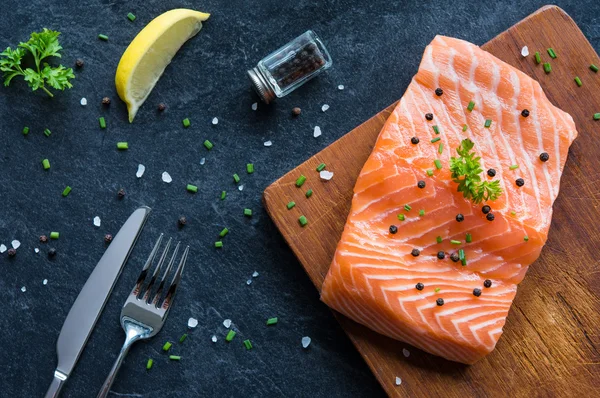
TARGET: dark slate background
(376,47)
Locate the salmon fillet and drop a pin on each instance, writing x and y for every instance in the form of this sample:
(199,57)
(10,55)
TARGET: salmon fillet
(374,278)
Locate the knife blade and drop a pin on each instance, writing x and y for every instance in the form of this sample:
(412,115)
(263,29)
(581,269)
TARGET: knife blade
(90,302)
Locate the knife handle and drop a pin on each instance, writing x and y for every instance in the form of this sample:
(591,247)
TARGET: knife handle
(56,385)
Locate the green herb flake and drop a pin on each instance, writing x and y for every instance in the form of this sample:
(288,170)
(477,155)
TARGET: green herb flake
(421,212)
(436,139)
(47,132)
(321,167)
(223,195)
(191,188)
(437,289)
(122,146)
(551,53)
(218,244)
(303,221)
(54,235)
(300,181)
(429,172)
(462,257)
(103,37)
(441,148)
(578,81)
(436,129)
(309,193)
(208,145)
(471,106)
(594,68)
(272,321)
(25,130)
(236,178)
(248,212)
(223,232)
(250,168)
(183,337)
(469,238)
(438,164)
(513,213)
(186,122)
(248,344)
(547,67)
(230,335)
(46,164)
(407,207)
(174,357)
(596,116)
(538,57)
(438,239)
(66,191)
(167,346)
(526,238)
(514,167)
(464,128)
(102,122)
(291,204)
(455,242)
(149,364)
(488,123)
(131,17)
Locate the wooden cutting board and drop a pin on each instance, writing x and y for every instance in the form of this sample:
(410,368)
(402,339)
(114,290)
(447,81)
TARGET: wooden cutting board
(551,341)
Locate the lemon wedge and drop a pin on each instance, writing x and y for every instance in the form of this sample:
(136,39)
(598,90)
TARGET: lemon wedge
(147,56)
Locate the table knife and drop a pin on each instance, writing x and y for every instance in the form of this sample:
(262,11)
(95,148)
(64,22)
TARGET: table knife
(91,300)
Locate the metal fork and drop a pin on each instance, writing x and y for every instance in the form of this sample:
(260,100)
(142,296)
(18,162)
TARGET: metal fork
(144,313)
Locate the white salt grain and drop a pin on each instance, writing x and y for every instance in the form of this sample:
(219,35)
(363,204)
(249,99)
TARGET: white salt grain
(268,143)
(23,289)
(215,121)
(2,248)
(166,177)
(305,341)
(249,282)
(202,161)
(405,352)
(254,274)
(97,221)
(317,132)
(83,102)
(45,282)
(36,250)
(341,87)
(214,338)
(398,381)
(140,171)
(241,187)
(192,323)
(326,175)
(525,51)
(227,323)
(325,107)
(255,106)
(15,244)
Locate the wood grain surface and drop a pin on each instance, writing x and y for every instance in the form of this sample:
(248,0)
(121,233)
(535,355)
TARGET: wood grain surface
(551,341)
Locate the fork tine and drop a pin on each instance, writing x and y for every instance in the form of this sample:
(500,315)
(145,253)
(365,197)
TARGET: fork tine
(140,280)
(164,277)
(163,256)
(175,282)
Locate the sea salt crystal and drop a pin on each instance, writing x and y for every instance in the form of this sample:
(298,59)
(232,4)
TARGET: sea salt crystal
(255,106)
(326,175)
(215,121)
(317,132)
(254,274)
(192,323)
(214,338)
(23,289)
(45,282)
(268,143)
(36,250)
(305,341)
(2,248)
(241,187)
(325,107)
(341,87)
(249,282)
(97,221)
(398,381)
(140,171)
(83,101)
(166,177)
(15,244)
(227,323)
(525,51)
(405,352)
(202,161)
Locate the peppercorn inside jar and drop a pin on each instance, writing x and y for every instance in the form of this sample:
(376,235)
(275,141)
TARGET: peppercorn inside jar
(289,67)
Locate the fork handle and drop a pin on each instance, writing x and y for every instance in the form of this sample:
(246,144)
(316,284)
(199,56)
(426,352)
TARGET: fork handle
(132,337)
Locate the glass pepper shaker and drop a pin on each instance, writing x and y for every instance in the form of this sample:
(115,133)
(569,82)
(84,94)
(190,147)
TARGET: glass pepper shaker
(290,66)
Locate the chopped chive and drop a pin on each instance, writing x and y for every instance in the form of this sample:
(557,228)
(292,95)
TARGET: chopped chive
(192,188)
(131,17)
(594,68)
(436,139)
(513,213)
(538,57)
(300,181)
(291,204)
(461,257)
(488,123)
(271,321)
(248,212)
(66,191)
(186,122)
(46,164)
(547,67)
(47,132)
(174,357)
(309,193)
(303,221)
(469,238)
(167,346)
(407,207)
(437,289)
(401,217)
(465,127)
(122,145)
(230,335)
(514,166)
(429,172)
(208,145)
(223,232)
(182,338)
(103,37)
(250,168)
(421,212)
(218,244)
(526,238)
(102,122)
(321,167)
(551,53)
(149,364)
(438,164)
(54,235)
(248,344)
(236,178)
(578,81)
(436,129)
(441,148)
(25,130)
(438,239)
(471,106)
(596,116)
(455,242)
(223,195)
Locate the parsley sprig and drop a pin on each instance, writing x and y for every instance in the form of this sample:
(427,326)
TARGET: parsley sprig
(40,45)
(466,172)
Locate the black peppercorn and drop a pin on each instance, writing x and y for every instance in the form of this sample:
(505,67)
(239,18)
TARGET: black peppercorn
(415,252)
(429,116)
(460,218)
(421,184)
(439,92)
(487,283)
(439,301)
(520,182)
(525,112)
(12,252)
(491,172)
(161,107)
(52,252)
(182,221)
(106,101)
(393,229)
(296,111)
(414,140)
(420,286)
(121,193)
(108,238)
(477,292)
(441,255)
(490,216)
(79,63)
(486,209)
(455,257)
(544,156)
(43,238)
